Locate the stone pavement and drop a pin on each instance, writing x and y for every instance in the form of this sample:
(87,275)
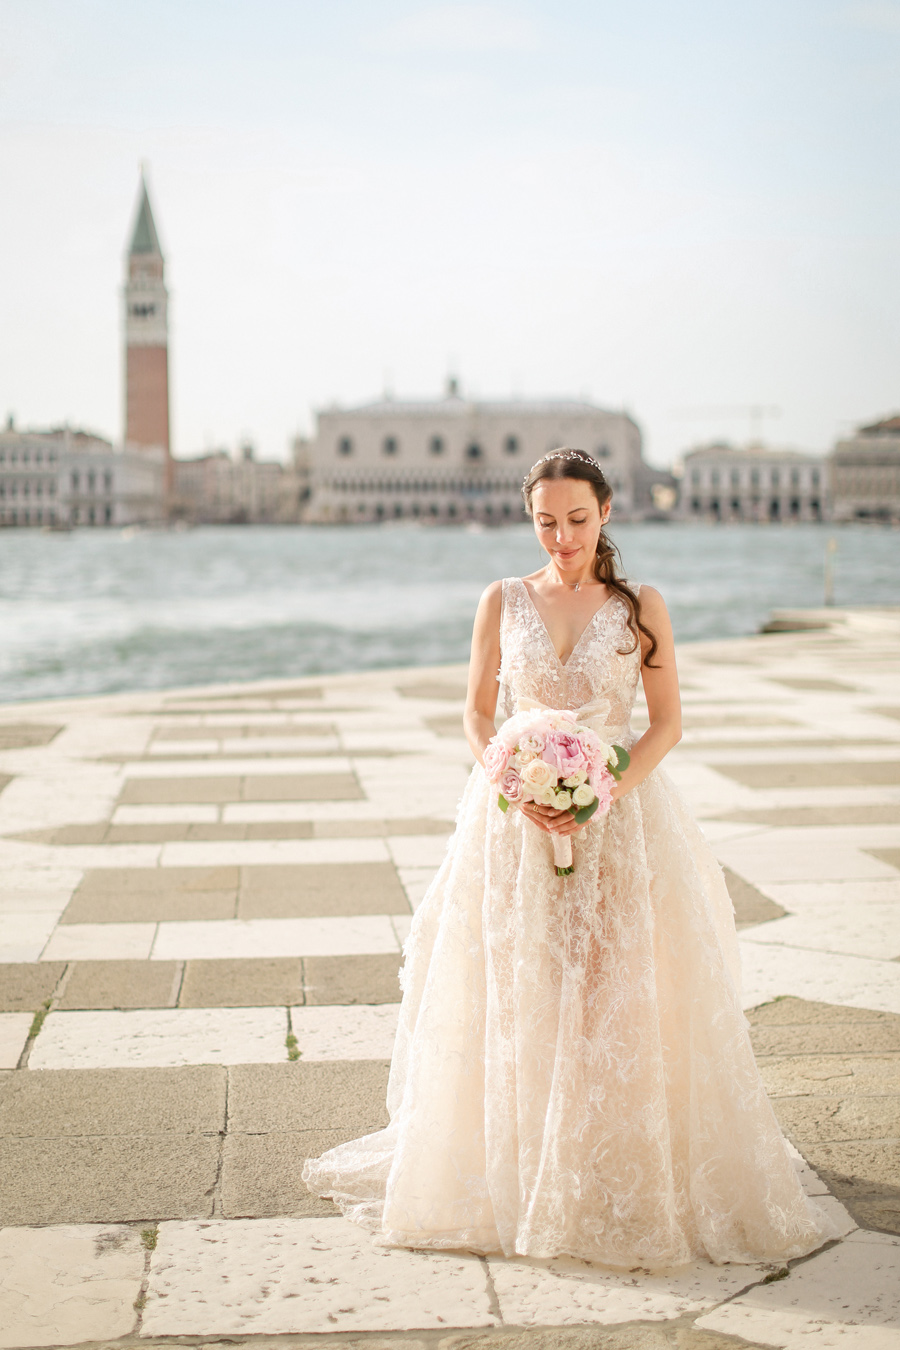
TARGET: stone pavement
(203,899)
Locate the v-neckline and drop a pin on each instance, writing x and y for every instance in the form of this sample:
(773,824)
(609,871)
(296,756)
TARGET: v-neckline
(562,664)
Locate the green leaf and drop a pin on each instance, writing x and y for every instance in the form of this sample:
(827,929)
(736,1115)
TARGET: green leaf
(502,803)
(586,812)
(623,757)
(615,772)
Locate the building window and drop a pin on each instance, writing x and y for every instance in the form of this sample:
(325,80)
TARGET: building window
(436,445)
(795,477)
(389,445)
(754,477)
(345,446)
(814,478)
(451,509)
(776,478)
(107,514)
(76,482)
(473,451)
(107,481)
(92,481)
(511,445)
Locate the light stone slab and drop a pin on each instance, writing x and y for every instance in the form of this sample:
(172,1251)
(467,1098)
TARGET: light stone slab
(425,850)
(29,889)
(402,923)
(328,747)
(415,881)
(801,897)
(23,937)
(68,1284)
(160,1038)
(301,766)
(872,930)
(847,1298)
(807,854)
(360,935)
(363,1031)
(281,1276)
(250,853)
(564,1292)
(770,972)
(13,1035)
(100,942)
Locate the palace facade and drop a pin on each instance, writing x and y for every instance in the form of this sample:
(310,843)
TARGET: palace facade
(456,459)
(865,473)
(723,483)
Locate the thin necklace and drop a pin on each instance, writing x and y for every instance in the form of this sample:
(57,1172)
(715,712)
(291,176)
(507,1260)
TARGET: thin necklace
(573,585)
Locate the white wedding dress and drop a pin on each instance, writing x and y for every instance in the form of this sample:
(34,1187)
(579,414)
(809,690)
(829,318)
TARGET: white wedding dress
(572,1072)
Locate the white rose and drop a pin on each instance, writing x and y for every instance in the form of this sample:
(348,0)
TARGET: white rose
(523,757)
(539,775)
(606,752)
(547,798)
(563,801)
(576,779)
(584,795)
(613,758)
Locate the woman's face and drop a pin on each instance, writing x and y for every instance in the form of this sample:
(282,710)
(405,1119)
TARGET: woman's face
(567,521)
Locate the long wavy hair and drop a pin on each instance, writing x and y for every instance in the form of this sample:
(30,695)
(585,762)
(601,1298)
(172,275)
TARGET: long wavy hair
(569,463)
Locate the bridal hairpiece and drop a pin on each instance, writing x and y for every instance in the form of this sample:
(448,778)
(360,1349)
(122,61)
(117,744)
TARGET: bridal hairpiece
(561,454)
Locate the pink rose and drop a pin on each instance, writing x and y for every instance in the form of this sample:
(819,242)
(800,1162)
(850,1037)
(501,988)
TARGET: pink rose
(496,758)
(533,743)
(564,751)
(601,780)
(511,786)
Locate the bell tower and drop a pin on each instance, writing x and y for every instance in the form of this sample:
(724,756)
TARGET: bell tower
(146,337)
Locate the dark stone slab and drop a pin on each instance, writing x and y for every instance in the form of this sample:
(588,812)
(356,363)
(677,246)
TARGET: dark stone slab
(882,1214)
(24,735)
(121,984)
(827,773)
(831,1120)
(153,894)
(25,985)
(147,834)
(297,691)
(95,1179)
(433,689)
(750,905)
(64,1103)
(790,1011)
(445,726)
(276,787)
(261,1174)
(826,1037)
(886,712)
(817,686)
(249,982)
(311,889)
(369,829)
(280,829)
(347,1096)
(891,856)
(5,780)
(858,1168)
(178,791)
(352,979)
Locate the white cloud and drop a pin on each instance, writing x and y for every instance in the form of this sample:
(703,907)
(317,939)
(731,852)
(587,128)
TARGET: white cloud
(463,28)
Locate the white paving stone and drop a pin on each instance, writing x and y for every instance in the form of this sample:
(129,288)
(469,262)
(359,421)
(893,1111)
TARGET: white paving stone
(68,1284)
(281,1276)
(24,936)
(415,881)
(808,854)
(802,897)
(100,942)
(856,930)
(29,889)
(418,850)
(357,1031)
(160,1038)
(847,1298)
(13,1035)
(358,935)
(770,972)
(253,852)
(563,1292)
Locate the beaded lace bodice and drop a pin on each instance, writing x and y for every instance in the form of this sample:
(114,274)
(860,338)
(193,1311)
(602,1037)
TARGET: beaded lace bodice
(604,665)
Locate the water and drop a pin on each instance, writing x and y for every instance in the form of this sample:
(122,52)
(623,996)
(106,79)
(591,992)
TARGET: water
(95,611)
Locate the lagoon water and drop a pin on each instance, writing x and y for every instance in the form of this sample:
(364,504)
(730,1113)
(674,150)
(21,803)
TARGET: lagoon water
(100,611)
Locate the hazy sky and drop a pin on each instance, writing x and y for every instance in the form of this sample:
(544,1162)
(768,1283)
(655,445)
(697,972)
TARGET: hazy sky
(665,206)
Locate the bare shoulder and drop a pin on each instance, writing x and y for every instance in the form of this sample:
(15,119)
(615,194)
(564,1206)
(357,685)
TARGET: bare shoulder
(491,602)
(652,602)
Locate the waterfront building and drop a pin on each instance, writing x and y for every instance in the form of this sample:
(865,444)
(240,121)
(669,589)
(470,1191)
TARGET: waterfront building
(456,458)
(755,483)
(65,477)
(216,488)
(146,331)
(865,473)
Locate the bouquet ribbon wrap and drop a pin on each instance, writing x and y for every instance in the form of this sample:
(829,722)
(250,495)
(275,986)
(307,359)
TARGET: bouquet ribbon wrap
(562,844)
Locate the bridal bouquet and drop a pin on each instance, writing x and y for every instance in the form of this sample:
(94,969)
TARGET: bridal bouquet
(545,756)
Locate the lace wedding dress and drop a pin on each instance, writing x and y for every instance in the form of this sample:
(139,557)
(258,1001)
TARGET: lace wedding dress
(572,1072)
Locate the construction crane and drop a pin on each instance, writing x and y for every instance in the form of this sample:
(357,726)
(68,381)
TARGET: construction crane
(755,412)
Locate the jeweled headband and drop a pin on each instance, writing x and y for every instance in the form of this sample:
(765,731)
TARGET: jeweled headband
(581,455)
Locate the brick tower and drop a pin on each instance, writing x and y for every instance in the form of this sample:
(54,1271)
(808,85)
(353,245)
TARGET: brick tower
(146,338)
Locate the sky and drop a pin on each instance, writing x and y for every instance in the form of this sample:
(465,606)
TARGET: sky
(684,210)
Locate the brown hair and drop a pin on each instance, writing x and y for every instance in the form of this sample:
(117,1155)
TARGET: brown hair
(568,463)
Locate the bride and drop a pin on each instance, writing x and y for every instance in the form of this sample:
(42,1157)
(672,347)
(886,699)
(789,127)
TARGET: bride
(572,1072)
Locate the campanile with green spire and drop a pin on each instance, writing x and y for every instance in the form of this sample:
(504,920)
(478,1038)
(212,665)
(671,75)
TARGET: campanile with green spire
(146,335)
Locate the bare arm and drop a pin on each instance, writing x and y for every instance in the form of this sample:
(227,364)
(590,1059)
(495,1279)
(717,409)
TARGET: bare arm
(663,698)
(481,698)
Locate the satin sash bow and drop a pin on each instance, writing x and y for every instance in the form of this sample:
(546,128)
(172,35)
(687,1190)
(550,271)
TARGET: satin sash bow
(599,709)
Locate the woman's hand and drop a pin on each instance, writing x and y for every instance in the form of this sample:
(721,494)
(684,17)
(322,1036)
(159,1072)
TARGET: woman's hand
(550,820)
